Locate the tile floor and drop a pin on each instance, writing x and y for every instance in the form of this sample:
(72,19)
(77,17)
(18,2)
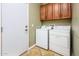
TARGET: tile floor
(37,51)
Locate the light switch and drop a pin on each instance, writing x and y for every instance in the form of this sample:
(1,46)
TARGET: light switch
(32,25)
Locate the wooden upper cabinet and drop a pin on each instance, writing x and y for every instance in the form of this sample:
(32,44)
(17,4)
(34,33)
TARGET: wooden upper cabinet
(42,12)
(56,11)
(49,11)
(65,10)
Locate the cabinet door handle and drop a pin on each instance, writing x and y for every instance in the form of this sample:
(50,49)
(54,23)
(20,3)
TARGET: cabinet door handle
(1,29)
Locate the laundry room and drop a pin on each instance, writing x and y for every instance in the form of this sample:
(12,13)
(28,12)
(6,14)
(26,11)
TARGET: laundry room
(40,24)
(39,29)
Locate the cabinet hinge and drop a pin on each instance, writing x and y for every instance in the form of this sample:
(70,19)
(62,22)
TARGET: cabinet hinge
(1,29)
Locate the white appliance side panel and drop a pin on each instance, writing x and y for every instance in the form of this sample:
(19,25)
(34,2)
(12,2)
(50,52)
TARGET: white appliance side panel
(15,39)
(42,38)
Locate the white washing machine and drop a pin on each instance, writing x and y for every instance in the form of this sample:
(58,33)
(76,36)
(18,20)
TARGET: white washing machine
(59,40)
(56,39)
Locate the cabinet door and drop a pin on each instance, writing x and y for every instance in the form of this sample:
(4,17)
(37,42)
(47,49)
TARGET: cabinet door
(56,11)
(49,11)
(66,10)
(42,12)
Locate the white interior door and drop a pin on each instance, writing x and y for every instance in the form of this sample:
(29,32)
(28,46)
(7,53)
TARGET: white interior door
(14,20)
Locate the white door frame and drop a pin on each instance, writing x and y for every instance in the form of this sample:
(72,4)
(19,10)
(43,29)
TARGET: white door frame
(0,29)
(28,27)
(28,21)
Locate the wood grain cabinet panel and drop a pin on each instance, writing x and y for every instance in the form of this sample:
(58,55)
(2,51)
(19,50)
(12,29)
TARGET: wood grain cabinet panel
(65,10)
(56,11)
(49,11)
(42,12)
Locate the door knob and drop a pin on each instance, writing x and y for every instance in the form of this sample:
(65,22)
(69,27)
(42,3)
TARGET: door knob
(25,29)
(25,26)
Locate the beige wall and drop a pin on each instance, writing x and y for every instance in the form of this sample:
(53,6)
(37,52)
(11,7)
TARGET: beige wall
(75,29)
(34,21)
(58,22)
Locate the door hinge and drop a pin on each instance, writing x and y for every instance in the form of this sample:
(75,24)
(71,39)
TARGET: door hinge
(1,29)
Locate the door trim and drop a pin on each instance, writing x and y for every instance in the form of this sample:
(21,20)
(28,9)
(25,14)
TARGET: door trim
(28,22)
(1,29)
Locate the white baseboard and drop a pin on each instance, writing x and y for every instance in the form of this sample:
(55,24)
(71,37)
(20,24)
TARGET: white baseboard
(31,47)
(28,49)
